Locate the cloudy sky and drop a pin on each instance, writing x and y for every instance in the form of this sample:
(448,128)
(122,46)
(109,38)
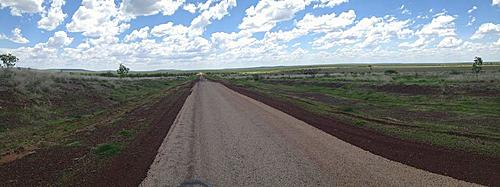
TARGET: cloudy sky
(186,34)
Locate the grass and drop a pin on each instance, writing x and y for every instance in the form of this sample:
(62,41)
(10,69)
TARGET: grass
(107,150)
(49,107)
(459,112)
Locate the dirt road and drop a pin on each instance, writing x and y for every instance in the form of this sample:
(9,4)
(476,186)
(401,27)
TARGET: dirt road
(222,138)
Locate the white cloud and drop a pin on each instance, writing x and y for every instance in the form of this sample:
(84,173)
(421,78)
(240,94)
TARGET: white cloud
(16,37)
(367,32)
(54,17)
(95,18)
(420,42)
(59,39)
(18,7)
(327,22)
(450,42)
(216,12)
(441,25)
(169,29)
(137,34)
(329,3)
(264,16)
(190,7)
(486,28)
(474,8)
(204,6)
(150,7)
(495,3)
(497,43)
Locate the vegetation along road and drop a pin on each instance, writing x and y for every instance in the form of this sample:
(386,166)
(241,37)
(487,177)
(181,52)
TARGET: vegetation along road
(223,138)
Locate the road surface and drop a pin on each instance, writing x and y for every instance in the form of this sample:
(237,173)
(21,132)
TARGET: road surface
(222,138)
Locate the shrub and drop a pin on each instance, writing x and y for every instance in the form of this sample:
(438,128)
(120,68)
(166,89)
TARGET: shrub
(347,109)
(106,150)
(359,122)
(390,71)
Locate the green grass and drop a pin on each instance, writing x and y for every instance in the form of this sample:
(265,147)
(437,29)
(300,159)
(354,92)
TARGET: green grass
(53,106)
(126,133)
(462,120)
(107,150)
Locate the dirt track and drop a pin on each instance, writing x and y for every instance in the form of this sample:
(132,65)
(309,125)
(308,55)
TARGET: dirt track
(222,138)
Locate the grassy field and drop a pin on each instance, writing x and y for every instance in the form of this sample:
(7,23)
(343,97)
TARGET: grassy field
(41,109)
(441,104)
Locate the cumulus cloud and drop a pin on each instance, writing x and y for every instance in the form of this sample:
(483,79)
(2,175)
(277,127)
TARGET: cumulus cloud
(264,16)
(18,7)
(441,25)
(137,34)
(16,37)
(327,22)
(190,7)
(169,29)
(216,12)
(54,17)
(367,32)
(95,18)
(495,3)
(486,28)
(150,7)
(60,39)
(450,42)
(497,43)
(420,42)
(329,3)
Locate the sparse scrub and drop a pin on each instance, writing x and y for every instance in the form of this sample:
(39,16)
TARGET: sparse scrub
(444,101)
(50,104)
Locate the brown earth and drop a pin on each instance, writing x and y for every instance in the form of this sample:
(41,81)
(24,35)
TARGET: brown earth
(462,165)
(50,166)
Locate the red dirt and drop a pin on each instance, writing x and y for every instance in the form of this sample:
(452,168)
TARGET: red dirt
(47,166)
(41,168)
(131,167)
(462,165)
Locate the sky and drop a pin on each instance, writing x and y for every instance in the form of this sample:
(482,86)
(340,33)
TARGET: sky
(213,34)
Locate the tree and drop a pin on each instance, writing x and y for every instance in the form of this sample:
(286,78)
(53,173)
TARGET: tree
(311,72)
(122,70)
(370,67)
(477,66)
(8,60)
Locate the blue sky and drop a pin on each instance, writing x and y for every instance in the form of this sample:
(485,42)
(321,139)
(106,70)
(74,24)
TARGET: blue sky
(188,34)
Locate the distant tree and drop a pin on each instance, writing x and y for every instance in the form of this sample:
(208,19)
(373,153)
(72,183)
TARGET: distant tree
(370,67)
(390,72)
(256,77)
(122,70)
(311,72)
(8,60)
(477,66)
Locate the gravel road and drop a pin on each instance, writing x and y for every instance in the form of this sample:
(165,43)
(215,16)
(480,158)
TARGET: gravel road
(222,138)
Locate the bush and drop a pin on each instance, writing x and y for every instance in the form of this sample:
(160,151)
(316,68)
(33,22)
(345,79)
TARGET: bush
(390,71)
(347,109)
(359,122)
(105,150)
